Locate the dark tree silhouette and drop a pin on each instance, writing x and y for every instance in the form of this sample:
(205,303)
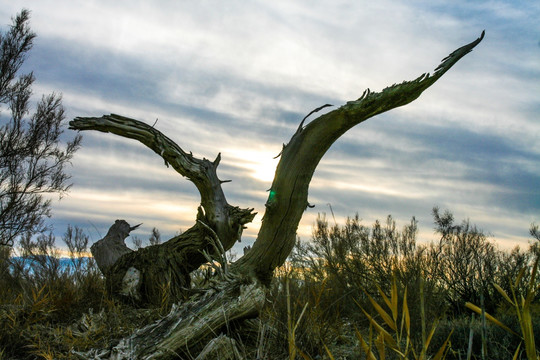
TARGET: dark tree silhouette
(32,156)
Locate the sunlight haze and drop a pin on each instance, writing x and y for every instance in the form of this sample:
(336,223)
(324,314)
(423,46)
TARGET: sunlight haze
(237,78)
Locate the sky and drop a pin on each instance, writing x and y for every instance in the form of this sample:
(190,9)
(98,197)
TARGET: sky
(237,77)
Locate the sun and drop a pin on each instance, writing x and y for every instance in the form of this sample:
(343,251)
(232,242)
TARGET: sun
(261,163)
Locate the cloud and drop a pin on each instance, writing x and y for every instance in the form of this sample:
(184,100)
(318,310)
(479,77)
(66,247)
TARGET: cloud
(237,78)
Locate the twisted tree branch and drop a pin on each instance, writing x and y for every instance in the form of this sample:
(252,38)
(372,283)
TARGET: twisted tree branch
(288,195)
(203,173)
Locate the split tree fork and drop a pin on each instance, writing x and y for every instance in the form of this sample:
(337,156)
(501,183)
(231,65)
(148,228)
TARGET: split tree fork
(140,275)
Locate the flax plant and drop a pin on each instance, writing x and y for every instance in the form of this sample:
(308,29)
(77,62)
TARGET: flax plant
(394,332)
(522,306)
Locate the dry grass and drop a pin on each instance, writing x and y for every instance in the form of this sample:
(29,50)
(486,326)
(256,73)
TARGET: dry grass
(335,304)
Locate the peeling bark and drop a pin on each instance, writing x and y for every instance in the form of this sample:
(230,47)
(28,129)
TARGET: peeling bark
(188,328)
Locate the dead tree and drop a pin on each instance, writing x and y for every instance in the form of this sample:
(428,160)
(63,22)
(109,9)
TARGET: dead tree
(239,293)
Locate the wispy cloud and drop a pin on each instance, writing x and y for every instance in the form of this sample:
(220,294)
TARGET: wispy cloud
(237,77)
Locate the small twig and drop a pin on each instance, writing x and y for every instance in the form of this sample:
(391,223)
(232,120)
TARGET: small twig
(217,246)
(332,211)
(95,228)
(283,148)
(313,111)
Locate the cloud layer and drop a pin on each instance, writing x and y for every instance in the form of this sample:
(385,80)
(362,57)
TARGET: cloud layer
(237,77)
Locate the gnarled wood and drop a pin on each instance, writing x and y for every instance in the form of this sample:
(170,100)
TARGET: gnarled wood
(288,197)
(109,249)
(144,275)
(226,220)
(148,275)
(189,327)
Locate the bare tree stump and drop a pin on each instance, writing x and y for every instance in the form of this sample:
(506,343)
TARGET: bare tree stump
(109,249)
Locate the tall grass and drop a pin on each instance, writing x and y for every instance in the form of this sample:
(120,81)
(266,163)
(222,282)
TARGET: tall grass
(397,338)
(522,304)
(48,310)
(353,292)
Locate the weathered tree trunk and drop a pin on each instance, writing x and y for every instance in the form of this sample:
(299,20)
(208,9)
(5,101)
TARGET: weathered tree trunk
(240,294)
(288,197)
(112,247)
(161,271)
(142,276)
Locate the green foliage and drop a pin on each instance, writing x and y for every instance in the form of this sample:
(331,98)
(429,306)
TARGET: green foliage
(393,331)
(522,305)
(300,323)
(357,260)
(352,290)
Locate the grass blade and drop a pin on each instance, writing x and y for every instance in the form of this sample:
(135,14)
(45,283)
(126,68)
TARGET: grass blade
(328,352)
(406,315)
(428,339)
(504,294)
(528,334)
(517,352)
(300,318)
(394,299)
(379,344)
(406,321)
(477,310)
(385,298)
(384,315)
(387,337)
(440,353)
(365,347)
